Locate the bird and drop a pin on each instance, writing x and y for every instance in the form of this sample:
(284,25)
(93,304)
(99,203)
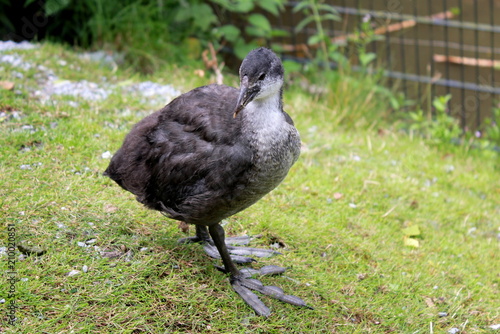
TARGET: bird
(211,153)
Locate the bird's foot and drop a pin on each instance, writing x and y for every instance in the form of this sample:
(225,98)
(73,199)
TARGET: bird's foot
(244,286)
(249,272)
(239,254)
(230,241)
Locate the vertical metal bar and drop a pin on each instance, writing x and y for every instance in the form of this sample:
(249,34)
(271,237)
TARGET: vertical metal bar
(343,19)
(374,44)
(403,60)
(462,68)
(332,29)
(476,38)
(447,51)
(492,55)
(431,55)
(388,54)
(417,53)
(358,21)
(293,34)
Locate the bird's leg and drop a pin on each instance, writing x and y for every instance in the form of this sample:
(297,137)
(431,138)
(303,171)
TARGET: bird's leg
(201,236)
(238,254)
(242,284)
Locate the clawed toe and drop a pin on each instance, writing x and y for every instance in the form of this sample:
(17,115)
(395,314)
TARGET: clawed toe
(258,252)
(244,286)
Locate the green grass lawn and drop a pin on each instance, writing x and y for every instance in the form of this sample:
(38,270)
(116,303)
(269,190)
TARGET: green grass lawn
(383,233)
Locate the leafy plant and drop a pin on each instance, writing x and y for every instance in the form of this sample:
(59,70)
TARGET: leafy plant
(317,13)
(442,128)
(361,37)
(150,32)
(256,29)
(492,128)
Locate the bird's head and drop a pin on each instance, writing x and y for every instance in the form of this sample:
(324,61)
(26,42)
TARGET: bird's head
(261,75)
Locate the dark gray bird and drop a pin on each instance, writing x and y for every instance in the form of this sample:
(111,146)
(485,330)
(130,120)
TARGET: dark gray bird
(211,153)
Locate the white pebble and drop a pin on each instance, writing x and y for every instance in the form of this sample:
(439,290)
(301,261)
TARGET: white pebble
(73,273)
(106,155)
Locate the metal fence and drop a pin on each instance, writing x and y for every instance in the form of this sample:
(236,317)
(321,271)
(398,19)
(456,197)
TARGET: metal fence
(428,48)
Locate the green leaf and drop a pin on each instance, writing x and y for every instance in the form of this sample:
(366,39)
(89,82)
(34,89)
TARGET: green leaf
(411,231)
(229,32)
(367,58)
(256,32)
(300,6)
(241,49)
(274,7)
(411,242)
(279,33)
(314,39)
(331,17)
(260,21)
(291,66)
(441,102)
(303,23)
(55,6)
(203,16)
(328,8)
(241,6)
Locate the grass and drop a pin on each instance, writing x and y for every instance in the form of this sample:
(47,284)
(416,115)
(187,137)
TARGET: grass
(346,213)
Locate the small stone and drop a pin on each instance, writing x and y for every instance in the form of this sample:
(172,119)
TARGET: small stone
(61,225)
(73,273)
(91,241)
(106,155)
(28,127)
(449,168)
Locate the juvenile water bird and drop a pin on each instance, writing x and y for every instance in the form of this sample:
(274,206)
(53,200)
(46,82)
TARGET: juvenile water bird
(211,153)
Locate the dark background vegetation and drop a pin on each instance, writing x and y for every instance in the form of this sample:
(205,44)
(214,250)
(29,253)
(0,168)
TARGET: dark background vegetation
(311,35)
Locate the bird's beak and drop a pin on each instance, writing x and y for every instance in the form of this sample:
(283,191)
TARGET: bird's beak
(246,95)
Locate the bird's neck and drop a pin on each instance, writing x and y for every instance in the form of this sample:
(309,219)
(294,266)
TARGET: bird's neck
(264,113)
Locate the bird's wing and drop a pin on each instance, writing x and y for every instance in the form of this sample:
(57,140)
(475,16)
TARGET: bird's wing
(186,154)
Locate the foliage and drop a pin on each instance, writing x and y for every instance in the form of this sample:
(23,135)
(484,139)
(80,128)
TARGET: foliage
(253,30)
(354,70)
(318,13)
(165,28)
(492,128)
(440,127)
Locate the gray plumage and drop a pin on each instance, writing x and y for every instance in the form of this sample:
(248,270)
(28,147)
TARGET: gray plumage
(213,151)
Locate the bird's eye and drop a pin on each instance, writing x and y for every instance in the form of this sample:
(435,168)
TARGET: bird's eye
(262,76)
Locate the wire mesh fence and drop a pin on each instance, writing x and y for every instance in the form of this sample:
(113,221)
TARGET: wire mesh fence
(427,48)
